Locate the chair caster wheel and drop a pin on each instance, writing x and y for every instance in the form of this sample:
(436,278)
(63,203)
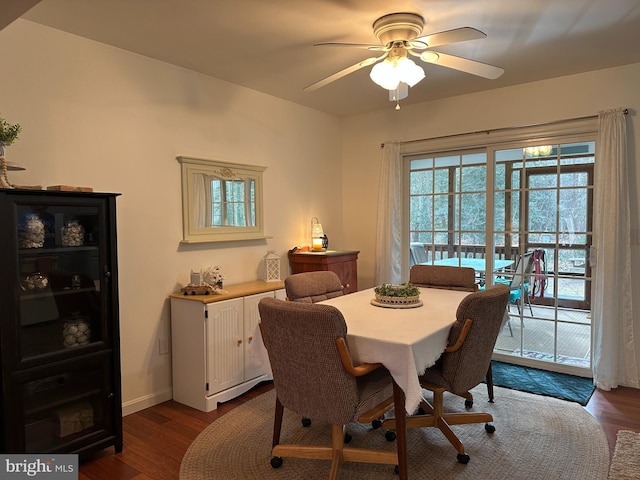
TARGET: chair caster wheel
(468,403)
(306,422)
(376,423)
(276,462)
(489,428)
(390,435)
(463,458)
(347,438)
(397,470)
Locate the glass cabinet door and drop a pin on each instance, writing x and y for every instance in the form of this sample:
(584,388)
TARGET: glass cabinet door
(64,408)
(61,280)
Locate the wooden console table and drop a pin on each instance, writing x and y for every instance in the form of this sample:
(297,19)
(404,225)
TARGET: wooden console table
(343,263)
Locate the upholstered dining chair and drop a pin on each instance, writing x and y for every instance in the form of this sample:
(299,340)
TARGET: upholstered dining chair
(451,278)
(314,376)
(311,287)
(443,276)
(463,365)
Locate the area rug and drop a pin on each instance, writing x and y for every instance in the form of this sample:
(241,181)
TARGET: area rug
(542,382)
(626,456)
(536,437)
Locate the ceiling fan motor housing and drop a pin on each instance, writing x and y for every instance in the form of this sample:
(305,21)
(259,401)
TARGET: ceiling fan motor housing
(398,27)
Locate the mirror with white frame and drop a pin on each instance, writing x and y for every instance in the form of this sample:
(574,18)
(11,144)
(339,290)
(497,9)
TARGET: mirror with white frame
(221,201)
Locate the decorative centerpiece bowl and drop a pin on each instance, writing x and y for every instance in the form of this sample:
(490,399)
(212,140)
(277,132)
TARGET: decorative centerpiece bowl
(397,296)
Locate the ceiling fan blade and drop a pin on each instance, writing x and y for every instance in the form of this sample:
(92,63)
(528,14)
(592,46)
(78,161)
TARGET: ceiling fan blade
(374,48)
(344,73)
(463,64)
(461,34)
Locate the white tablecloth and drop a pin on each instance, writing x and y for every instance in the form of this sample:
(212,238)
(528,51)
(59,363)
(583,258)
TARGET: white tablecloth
(406,341)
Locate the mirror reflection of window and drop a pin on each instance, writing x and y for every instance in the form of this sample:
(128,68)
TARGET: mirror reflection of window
(232,202)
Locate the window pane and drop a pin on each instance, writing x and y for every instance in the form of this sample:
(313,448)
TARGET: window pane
(420,218)
(572,261)
(573,211)
(421,182)
(543,181)
(499,211)
(440,220)
(441,181)
(542,211)
(474,179)
(473,211)
(574,179)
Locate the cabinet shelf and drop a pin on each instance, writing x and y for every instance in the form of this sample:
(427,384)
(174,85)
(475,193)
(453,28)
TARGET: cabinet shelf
(35,252)
(60,400)
(50,293)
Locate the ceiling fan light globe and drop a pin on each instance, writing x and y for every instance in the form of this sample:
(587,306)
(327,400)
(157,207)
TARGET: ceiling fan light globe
(385,75)
(413,75)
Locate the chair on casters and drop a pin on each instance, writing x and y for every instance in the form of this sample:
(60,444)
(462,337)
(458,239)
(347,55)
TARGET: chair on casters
(451,278)
(463,365)
(312,287)
(443,276)
(314,376)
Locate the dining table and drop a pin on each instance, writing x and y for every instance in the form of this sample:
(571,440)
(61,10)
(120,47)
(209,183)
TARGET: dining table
(406,340)
(478,264)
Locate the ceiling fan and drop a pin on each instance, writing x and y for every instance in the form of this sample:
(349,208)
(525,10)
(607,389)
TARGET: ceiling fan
(398,34)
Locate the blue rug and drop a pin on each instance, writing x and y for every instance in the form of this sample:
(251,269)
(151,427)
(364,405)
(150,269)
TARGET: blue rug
(542,382)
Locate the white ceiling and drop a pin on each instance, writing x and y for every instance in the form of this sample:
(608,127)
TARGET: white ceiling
(267,45)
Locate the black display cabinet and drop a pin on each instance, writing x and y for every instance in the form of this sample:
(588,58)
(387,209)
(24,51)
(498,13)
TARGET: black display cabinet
(59,327)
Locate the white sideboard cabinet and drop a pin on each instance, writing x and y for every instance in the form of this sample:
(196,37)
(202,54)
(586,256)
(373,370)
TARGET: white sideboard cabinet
(210,343)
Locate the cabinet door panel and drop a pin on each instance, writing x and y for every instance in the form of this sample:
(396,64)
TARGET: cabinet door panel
(63,292)
(62,409)
(251,321)
(225,345)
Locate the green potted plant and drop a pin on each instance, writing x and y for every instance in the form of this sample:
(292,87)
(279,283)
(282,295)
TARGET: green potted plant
(8,133)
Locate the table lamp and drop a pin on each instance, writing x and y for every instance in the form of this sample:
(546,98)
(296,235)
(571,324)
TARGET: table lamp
(316,235)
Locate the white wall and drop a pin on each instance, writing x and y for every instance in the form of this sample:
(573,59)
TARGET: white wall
(546,101)
(93,115)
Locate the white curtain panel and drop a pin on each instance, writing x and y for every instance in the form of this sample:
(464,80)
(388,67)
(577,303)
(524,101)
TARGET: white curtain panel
(389,228)
(614,357)
(200,201)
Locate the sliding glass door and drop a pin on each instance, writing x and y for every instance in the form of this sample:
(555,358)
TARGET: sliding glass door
(543,203)
(529,202)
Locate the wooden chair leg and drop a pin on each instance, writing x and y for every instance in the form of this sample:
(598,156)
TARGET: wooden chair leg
(277,423)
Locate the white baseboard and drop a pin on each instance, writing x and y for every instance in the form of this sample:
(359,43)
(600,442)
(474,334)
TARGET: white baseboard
(147,401)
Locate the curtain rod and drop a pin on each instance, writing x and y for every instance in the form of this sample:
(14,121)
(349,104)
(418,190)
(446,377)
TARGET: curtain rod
(503,129)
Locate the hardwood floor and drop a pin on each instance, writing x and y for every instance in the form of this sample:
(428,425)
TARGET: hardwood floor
(155,439)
